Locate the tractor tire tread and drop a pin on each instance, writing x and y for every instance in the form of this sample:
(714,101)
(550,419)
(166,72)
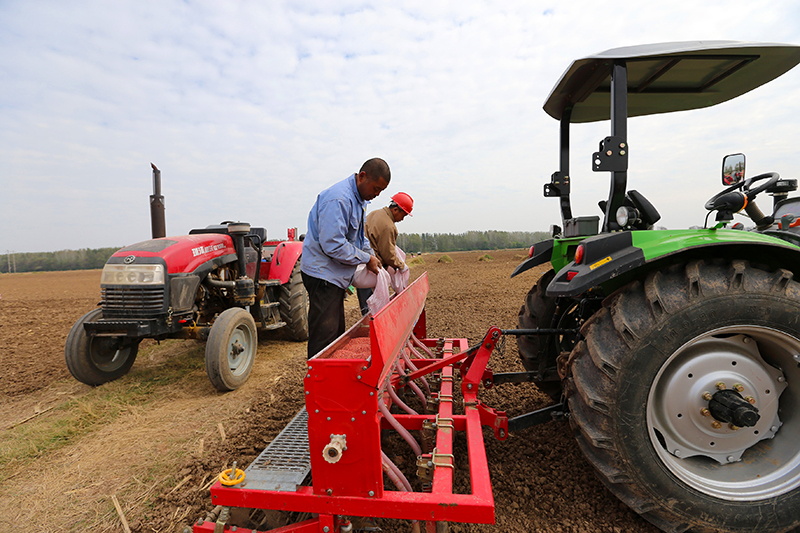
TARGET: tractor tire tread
(79,361)
(628,317)
(216,357)
(294,306)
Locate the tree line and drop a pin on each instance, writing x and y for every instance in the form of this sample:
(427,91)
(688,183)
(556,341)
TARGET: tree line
(83,259)
(471,240)
(91,258)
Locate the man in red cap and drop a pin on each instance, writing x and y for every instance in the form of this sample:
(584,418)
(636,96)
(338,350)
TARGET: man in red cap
(382,234)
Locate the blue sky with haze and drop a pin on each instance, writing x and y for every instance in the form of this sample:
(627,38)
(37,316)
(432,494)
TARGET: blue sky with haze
(251,108)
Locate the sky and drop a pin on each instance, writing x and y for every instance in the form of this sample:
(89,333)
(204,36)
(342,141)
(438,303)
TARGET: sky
(250,109)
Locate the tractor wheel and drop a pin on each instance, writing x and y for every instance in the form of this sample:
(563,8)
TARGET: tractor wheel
(294,305)
(538,311)
(231,349)
(640,386)
(98,360)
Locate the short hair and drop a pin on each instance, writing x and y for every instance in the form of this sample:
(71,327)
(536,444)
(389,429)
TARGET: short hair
(376,168)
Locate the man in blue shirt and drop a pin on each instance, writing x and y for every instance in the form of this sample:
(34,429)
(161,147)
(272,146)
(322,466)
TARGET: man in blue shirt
(334,246)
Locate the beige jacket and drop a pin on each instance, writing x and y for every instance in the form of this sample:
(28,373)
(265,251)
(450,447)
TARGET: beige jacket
(382,234)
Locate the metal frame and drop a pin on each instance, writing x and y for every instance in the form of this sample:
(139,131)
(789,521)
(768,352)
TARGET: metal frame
(580,95)
(342,396)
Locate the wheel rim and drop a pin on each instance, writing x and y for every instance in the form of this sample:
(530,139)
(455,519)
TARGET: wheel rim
(109,353)
(241,350)
(713,457)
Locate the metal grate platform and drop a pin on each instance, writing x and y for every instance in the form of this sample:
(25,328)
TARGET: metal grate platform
(285,462)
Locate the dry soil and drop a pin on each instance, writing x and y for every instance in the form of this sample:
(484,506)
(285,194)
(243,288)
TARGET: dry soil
(540,480)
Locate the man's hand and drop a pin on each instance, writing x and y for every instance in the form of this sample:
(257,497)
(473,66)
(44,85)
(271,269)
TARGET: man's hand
(374,264)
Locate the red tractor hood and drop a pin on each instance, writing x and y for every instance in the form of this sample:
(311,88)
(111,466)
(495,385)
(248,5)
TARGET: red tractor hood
(183,254)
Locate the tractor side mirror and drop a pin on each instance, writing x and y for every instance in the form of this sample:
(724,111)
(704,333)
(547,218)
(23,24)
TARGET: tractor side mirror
(732,169)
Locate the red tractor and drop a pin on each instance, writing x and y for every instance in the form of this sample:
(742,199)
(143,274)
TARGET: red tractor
(221,283)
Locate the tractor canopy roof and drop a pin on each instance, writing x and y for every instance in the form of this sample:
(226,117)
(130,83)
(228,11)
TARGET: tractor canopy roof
(668,77)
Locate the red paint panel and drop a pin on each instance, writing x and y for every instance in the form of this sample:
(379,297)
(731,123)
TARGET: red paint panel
(404,505)
(391,327)
(188,252)
(339,403)
(283,260)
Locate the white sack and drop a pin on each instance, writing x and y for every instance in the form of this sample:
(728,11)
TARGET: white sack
(380,297)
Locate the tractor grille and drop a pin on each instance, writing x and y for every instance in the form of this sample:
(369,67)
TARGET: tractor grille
(132,301)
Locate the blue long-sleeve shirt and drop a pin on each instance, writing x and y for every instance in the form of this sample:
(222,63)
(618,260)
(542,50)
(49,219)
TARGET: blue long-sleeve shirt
(335,243)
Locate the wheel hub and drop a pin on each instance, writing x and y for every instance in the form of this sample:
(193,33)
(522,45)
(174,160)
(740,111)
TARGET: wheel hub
(240,351)
(236,348)
(694,421)
(728,406)
(108,353)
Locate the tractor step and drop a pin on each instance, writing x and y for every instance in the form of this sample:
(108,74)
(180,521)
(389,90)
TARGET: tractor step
(285,462)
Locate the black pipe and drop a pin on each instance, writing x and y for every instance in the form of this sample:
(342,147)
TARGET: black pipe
(158,223)
(222,284)
(241,262)
(540,331)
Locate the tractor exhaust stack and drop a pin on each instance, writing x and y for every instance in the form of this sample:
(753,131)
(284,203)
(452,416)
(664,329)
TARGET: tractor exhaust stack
(158,222)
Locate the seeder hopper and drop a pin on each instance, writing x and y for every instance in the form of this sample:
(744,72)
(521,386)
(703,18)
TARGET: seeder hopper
(350,389)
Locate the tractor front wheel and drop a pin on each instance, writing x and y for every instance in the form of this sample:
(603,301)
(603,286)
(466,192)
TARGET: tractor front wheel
(682,396)
(293,301)
(231,349)
(97,360)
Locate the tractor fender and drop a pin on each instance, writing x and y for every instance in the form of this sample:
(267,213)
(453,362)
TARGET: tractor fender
(614,255)
(284,259)
(556,251)
(541,253)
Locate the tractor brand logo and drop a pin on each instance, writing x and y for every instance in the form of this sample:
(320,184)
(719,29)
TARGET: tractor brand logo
(200,250)
(130,259)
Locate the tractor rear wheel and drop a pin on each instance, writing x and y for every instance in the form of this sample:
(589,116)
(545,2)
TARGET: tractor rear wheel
(294,305)
(231,349)
(97,360)
(643,396)
(539,352)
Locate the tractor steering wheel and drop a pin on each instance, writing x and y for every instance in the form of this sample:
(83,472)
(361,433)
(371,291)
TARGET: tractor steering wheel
(745,185)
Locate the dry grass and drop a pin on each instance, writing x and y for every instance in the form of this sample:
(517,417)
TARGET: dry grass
(121,439)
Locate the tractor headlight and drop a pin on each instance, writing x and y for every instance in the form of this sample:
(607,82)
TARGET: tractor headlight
(133,275)
(626,215)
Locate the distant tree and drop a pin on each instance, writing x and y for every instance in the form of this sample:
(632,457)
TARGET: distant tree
(89,258)
(83,259)
(471,240)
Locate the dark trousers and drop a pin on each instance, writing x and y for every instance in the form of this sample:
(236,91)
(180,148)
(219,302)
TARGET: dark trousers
(325,313)
(363,296)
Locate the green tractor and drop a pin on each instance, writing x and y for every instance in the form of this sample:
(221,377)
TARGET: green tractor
(676,353)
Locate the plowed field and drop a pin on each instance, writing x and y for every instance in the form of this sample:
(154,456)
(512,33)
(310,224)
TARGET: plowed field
(156,458)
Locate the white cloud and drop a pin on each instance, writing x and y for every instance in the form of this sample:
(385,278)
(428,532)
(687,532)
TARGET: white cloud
(251,108)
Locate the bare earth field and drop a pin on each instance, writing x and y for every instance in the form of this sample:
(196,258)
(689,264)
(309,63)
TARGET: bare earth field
(157,452)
